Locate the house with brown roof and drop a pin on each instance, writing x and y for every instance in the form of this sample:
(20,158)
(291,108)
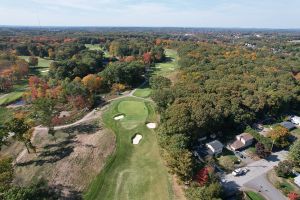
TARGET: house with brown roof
(242,141)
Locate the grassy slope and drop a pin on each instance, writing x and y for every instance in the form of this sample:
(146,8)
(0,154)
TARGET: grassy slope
(134,171)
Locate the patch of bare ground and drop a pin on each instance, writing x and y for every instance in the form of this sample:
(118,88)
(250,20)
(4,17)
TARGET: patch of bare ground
(173,76)
(177,189)
(69,161)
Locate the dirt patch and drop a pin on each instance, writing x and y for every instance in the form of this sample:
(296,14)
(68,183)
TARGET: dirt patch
(177,189)
(69,161)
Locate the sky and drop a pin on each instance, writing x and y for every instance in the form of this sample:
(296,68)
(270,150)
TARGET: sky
(157,13)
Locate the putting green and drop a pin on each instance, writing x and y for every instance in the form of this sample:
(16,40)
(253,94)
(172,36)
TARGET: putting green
(133,172)
(135,113)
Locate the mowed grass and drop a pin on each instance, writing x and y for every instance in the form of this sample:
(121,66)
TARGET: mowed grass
(43,65)
(254,196)
(97,47)
(142,92)
(134,171)
(10,97)
(135,113)
(168,67)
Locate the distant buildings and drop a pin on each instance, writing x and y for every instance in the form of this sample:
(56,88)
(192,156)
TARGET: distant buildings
(242,141)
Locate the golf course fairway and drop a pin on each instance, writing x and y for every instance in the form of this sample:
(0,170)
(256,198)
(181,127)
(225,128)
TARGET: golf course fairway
(133,171)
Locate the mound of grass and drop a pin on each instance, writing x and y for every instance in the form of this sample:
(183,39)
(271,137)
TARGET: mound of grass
(144,92)
(254,196)
(134,171)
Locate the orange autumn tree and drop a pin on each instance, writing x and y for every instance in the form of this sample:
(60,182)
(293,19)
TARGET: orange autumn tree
(118,87)
(279,135)
(92,82)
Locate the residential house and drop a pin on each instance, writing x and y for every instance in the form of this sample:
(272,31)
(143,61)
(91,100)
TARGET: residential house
(288,125)
(297,180)
(215,147)
(242,141)
(295,120)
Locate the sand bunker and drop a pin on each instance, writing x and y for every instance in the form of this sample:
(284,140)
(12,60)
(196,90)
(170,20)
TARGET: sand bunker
(151,125)
(44,71)
(118,117)
(137,139)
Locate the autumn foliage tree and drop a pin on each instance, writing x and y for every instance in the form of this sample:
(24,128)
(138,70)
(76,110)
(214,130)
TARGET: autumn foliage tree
(92,82)
(261,150)
(202,176)
(293,196)
(279,136)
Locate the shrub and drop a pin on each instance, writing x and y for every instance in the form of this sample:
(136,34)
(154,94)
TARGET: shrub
(261,150)
(284,169)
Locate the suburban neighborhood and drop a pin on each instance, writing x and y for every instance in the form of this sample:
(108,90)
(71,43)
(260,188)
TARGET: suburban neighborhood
(251,171)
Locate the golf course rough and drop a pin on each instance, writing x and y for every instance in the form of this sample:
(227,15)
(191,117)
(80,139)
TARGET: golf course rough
(133,172)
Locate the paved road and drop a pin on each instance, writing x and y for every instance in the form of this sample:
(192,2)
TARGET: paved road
(258,170)
(263,186)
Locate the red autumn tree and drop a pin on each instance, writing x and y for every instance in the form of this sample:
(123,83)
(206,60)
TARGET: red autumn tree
(147,58)
(202,176)
(293,196)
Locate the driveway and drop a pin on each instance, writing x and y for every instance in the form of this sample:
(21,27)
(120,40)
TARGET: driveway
(257,169)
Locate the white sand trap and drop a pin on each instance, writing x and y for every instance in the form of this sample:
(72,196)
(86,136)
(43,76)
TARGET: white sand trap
(151,125)
(118,117)
(137,139)
(45,71)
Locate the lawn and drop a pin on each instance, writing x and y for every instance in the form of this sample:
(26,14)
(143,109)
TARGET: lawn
(42,68)
(254,196)
(134,171)
(97,47)
(142,92)
(168,67)
(10,97)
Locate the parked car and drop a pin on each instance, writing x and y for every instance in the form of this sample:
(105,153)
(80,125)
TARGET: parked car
(240,171)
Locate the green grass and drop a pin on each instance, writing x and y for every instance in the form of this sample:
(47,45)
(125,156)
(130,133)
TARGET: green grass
(97,47)
(254,196)
(142,92)
(5,114)
(42,68)
(11,97)
(165,68)
(133,171)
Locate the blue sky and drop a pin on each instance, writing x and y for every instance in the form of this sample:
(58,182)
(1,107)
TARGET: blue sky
(181,13)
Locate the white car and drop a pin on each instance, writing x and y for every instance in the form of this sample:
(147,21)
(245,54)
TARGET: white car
(240,171)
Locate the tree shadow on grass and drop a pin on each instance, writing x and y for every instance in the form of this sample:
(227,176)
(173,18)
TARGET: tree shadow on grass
(83,129)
